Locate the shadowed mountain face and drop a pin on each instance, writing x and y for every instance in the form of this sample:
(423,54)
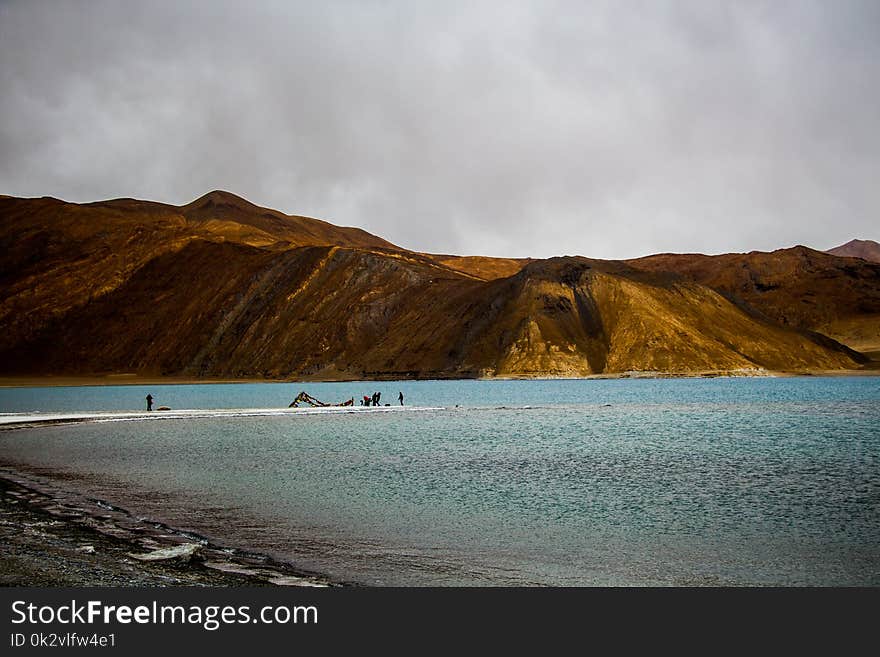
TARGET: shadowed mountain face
(220,287)
(865,249)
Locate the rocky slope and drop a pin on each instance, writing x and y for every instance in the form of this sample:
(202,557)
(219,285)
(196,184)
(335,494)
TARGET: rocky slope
(797,287)
(221,287)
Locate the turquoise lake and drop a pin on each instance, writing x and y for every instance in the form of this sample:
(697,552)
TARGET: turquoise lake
(721,481)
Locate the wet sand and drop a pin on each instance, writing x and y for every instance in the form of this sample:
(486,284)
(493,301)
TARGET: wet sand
(49,538)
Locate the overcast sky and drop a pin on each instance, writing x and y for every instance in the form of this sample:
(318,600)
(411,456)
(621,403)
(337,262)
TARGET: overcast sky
(607,129)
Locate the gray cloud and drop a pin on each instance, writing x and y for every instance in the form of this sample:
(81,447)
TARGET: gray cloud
(608,129)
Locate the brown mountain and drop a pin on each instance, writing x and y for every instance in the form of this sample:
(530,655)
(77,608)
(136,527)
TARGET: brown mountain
(221,287)
(797,287)
(864,249)
(57,256)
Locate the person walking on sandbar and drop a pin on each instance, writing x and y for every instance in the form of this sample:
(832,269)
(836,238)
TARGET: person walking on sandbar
(400,398)
(149,402)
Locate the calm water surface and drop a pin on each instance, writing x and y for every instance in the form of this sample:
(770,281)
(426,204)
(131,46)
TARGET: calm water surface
(599,482)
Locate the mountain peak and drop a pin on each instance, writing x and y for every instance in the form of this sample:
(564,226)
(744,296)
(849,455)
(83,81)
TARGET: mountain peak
(228,215)
(865,249)
(219,197)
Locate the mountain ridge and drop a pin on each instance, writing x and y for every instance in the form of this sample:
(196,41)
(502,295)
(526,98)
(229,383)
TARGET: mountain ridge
(221,287)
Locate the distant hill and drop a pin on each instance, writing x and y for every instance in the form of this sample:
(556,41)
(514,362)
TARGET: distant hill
(865,249)
(223,288)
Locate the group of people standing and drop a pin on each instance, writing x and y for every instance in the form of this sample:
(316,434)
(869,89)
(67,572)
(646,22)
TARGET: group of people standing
(367,401)
(372,401)
(376,397)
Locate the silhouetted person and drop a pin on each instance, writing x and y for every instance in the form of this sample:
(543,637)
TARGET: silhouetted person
(149,402)
(400,398)
(378,397)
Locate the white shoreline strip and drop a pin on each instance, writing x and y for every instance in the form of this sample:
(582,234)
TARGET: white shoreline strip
(19,419)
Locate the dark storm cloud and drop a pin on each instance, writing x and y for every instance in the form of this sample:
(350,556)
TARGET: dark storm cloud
(609,129)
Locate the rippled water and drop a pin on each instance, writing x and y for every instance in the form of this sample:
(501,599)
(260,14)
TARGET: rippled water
(620,482)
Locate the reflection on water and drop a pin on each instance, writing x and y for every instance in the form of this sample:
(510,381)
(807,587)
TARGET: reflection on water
(721,481)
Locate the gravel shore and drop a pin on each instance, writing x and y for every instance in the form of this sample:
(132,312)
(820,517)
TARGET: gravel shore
(47,543)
